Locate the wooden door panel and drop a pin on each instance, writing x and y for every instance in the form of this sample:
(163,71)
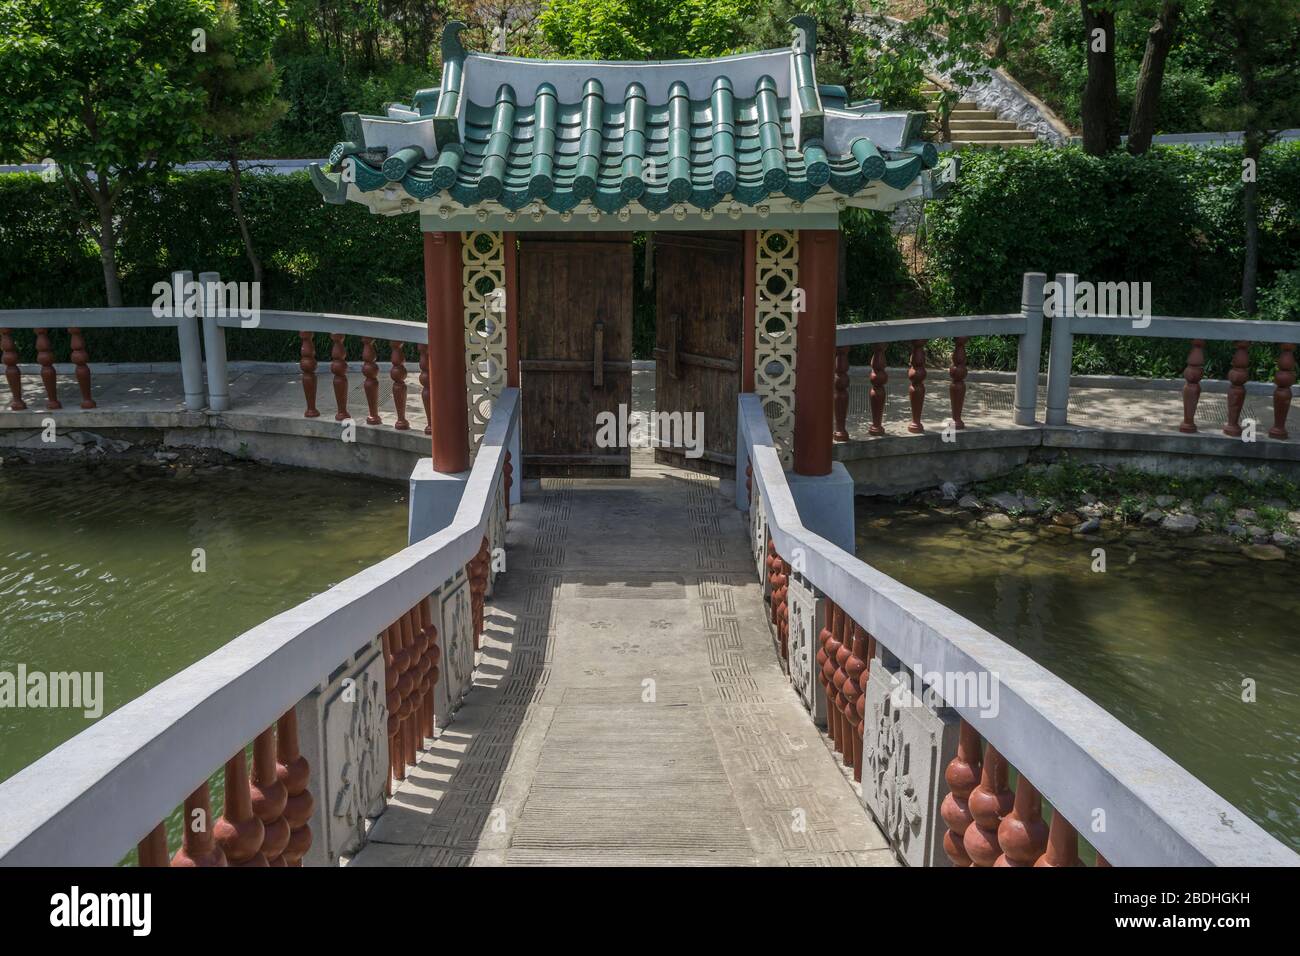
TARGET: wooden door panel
(698,339)
(575,293)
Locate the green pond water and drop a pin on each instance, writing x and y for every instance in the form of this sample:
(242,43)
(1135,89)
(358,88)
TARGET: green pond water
(96,570)
(1163,639)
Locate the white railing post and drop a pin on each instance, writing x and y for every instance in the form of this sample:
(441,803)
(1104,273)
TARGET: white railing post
(1061,351)
(214,346)
(1031,348)
(187,332)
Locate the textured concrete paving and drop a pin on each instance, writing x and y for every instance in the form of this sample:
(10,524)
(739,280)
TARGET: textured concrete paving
(628,706)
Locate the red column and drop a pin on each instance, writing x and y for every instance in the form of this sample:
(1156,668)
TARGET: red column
(814,388)
(449,406)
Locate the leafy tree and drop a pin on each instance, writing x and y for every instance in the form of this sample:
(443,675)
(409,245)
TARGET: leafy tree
(106,89)
(642,29)
(240,80)
(1263,39)
(1151,75)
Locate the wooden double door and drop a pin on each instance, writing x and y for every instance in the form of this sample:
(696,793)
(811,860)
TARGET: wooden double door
(575,351)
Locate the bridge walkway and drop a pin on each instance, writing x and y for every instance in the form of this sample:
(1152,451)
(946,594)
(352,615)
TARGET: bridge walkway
(628,706)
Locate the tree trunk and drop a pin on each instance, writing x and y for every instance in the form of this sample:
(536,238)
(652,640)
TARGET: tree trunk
(102,196)
(238,208)
(1253,150)
(1146,101)
(1100,106)
(1004,21)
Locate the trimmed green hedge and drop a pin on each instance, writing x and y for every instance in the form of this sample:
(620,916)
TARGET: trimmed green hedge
(1171,218)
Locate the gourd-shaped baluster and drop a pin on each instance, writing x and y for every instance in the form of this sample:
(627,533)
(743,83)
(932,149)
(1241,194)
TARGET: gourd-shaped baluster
(841,432)
(783,625)
(13,375)
(424,387)
(80,358)
(879,378)
(1062,843)
(962,776)
(152,850)
(1282,383)
(307,365)
(339,366)
(1022,834)
(854,668)
(435,655)
(842,654)
(198,848)
(824,636)
(295,774)
(407,684)
(370,381)
(508,473)
(424,683)
(397,356)
(957,381)
(834,714)
(749,482)
(393,699)
(478,578)
(239,831)
(45,358)
(1237,377)
(269,797)
(860,717)
(916,388)
(1192,385)
(989,803)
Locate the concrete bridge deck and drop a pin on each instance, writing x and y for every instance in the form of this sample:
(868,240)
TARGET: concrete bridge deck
(628,705)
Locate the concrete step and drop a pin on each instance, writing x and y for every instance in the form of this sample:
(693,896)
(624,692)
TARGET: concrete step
(970,124)
(995,136)
(975,114)
(993,143)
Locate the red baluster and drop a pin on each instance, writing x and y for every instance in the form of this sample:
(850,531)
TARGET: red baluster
(1282,383)
(1192,387)
(370,380)
(269,797)
(295,774)
(916,390)
(957,381)
(393,698)
(508,470)
(771,563)
(478,579)
(879,376)
(424,387)
(823,637)
(152,850)
(749,482)
(780,596)
(962,776)
(1022,834)
(1237,377)
(9,354)
(397,356)
(834,642)
(197,845)
(45,356)
(339,366)
(307,364)
(435,655)
(989,803)
(423,682)
(79,358)
(1062,843)
(860,723)
(841,395)
(238,831)
(844,744)
(407,686)
(854,685)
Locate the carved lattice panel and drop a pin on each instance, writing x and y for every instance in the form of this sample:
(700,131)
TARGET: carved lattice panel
(483,287)
(758,537)
(776,321)
(805,609)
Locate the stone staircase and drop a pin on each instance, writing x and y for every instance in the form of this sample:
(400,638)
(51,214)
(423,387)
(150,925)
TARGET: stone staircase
(969,124)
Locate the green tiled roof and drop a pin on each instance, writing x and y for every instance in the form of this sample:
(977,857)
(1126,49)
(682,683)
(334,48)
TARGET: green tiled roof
(513,133)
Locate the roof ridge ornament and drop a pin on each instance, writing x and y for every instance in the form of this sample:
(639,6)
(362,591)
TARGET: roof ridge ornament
(805,33)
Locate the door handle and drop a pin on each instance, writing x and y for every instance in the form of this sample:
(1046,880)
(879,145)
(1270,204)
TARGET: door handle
(598,356)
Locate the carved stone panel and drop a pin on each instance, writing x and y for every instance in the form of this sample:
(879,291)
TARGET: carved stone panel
(343,733)
(758,530)
(456,637)
(905,749)
(806,608)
